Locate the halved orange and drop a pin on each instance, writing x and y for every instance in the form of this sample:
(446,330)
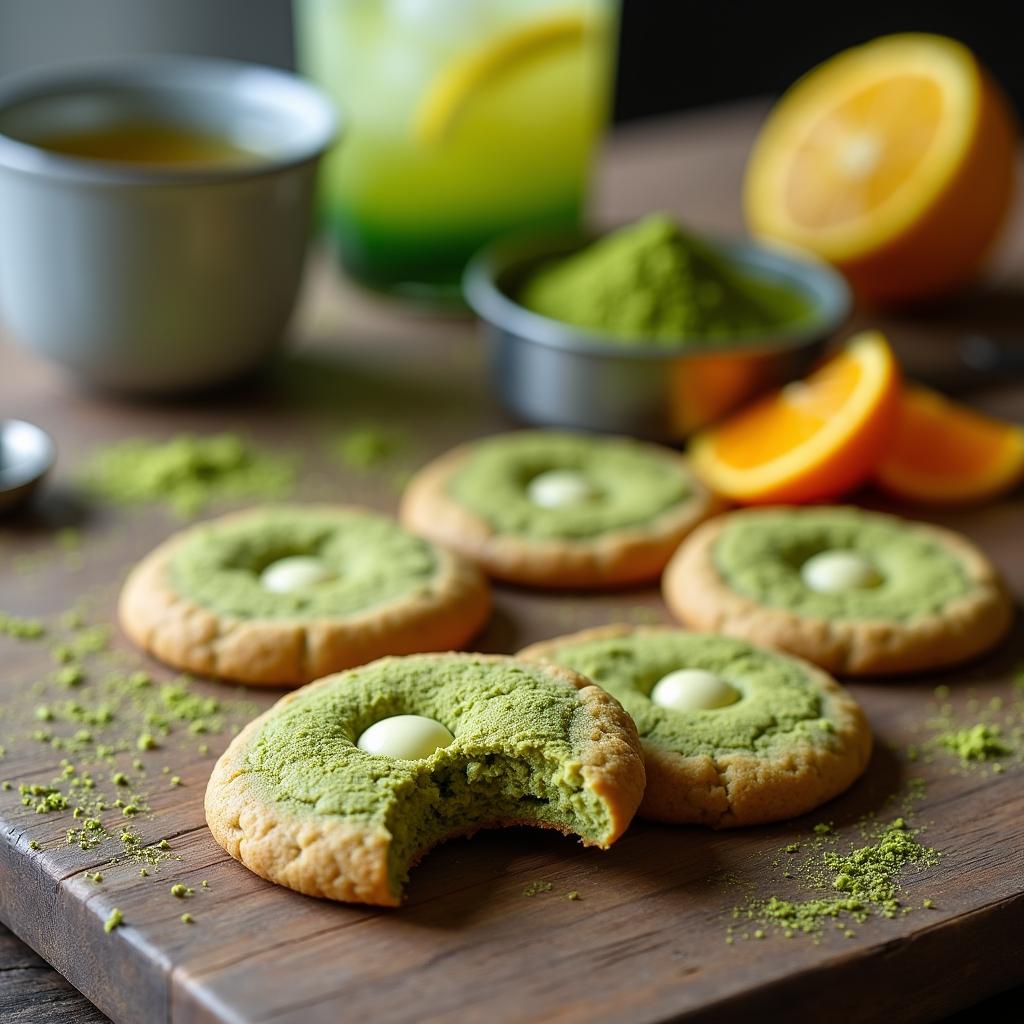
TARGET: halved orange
(893,160)
(814,439)
(945,453)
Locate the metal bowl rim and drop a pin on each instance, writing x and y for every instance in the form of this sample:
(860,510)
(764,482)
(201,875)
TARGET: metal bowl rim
(229,79)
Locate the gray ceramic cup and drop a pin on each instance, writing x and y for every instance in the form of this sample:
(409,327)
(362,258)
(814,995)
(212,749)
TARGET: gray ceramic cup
(156,279)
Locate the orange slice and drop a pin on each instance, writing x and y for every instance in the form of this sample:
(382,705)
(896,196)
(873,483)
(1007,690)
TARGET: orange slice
(814,439)
(944,453)
(893,160)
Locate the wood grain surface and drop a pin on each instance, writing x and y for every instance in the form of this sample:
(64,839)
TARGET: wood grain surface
(646,940)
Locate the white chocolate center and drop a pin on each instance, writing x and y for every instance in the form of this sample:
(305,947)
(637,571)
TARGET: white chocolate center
(406,737)
(297,572)
(835,572)
(557,488)
(693,689)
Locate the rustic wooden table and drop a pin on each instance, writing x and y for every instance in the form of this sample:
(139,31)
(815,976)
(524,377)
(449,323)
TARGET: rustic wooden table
(646,943)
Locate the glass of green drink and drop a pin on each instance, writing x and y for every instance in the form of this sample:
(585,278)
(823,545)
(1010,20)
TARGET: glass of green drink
(463,120)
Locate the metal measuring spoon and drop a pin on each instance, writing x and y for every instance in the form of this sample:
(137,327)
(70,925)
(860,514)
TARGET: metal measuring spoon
(27,453)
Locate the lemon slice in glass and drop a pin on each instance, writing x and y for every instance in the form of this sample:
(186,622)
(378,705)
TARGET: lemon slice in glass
(457,86)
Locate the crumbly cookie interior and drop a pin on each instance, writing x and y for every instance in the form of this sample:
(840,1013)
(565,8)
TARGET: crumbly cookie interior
(515,757)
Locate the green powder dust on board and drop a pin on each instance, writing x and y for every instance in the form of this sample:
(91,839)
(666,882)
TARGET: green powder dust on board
(982,746)
(188,472)
(368,446)
(979,742)
(653,282)
(536,888)
(21,628)
(849,887)
(114,920)
(95,724)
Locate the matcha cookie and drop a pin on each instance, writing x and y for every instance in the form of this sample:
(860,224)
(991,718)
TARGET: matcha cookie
(341,787)
(856,592)
(285,594)
(556,509)
(732,734)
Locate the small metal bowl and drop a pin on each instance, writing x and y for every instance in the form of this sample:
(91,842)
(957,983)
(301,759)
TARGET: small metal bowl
(26,455)
(551,373)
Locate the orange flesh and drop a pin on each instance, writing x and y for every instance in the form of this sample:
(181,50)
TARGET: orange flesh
(944,449)
(779,423)
(863,151)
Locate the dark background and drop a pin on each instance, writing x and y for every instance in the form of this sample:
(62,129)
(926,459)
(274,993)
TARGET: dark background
(675,54)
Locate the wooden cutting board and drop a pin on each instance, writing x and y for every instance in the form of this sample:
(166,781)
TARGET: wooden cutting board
(646,940)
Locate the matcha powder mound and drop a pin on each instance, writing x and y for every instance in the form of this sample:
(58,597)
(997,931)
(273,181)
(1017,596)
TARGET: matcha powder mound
(651,281)
(188,472)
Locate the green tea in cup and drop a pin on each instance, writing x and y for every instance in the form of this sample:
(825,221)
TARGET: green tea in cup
(148,142)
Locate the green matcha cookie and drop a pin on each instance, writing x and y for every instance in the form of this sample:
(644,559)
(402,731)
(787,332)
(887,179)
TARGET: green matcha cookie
(288,593)
(557,509)
(856,592)
(732,734)
(341,787)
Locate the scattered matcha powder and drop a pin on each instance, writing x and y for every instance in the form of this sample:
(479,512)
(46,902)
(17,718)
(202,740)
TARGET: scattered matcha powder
(43,799)
(73,618)
(20,628)
(979,742)
(979,746)
(368,446)
(535,888)
(188,472)
(187,919)
(114,920)
(180,891)
(114,708)
(851,887)
(69,676)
